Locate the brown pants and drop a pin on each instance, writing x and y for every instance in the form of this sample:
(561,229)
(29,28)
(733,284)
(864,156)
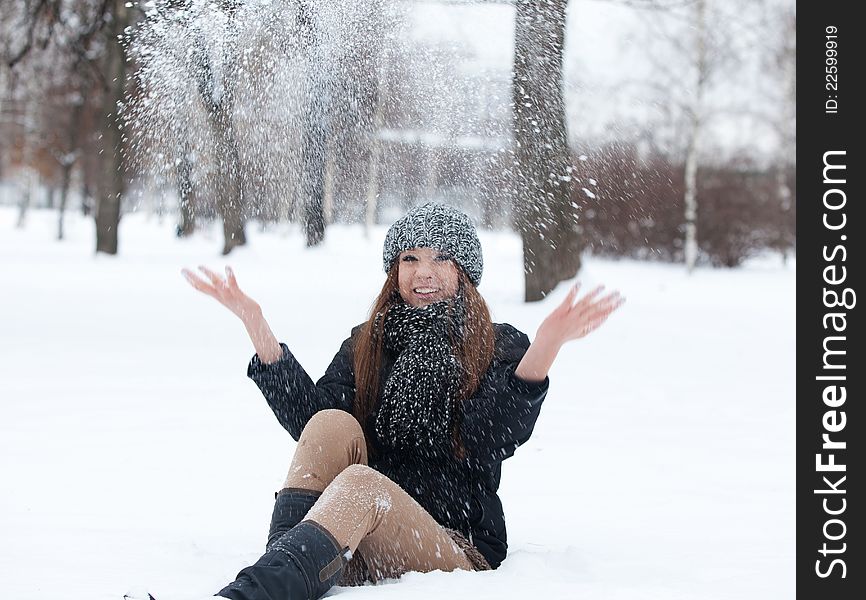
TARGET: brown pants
(362,508)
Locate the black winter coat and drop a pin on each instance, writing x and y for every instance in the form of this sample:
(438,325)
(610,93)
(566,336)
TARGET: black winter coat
(459,494)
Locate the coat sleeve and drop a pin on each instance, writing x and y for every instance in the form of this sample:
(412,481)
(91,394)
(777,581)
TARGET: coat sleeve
(294,397)
(501,415)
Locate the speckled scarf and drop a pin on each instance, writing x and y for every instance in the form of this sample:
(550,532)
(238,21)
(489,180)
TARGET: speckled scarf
(418,398)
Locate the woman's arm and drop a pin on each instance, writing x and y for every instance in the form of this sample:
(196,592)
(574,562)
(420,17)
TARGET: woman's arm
(294,396)
(502,413)
(568,321)
(264,341)
(288,389)
(501,416)
(228,293)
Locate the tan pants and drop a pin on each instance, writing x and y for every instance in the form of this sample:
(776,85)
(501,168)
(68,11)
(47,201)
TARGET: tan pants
(362,508)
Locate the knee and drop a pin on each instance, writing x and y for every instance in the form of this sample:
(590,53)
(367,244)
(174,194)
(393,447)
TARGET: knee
(331,424)
(363,487)
(361,478)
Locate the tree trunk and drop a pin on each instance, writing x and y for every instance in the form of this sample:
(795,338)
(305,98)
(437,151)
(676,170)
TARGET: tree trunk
(371,202)
(312,184)
(64,196)
(328,185)
(372,195)
(67,162)
(690,197)
(186,226)
(24,200)
(111,181)
(785,201)
(542,183)
(86,197)
(231,204)
(315,131)
(431,177)
(27,156)
(693,146)
(230,200)
(217,94)
(5,85)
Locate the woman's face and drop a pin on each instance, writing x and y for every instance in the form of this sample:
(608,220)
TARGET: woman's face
(425,276)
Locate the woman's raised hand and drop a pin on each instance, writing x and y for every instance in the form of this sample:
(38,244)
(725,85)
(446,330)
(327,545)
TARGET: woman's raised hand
(224,290)
(227,292)
(572,320)
(568,321)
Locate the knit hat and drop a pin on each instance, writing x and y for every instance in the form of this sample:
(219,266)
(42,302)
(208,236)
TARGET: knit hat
(438,226)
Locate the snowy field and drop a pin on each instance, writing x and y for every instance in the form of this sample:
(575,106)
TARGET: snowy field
(135,452)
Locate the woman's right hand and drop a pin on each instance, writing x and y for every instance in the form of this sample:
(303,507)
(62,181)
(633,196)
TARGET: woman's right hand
(224,290)
(227,292)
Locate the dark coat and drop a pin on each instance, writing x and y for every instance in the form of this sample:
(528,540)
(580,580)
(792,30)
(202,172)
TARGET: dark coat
(459,494)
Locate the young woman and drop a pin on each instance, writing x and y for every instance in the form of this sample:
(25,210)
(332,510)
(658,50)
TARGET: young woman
(400,443)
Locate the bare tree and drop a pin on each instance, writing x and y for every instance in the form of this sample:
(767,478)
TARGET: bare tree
(29,129)
(695,111)
(271,78)
(314,126)
(696,39)
(371,201)
(88,31)
(68,154)
(216,78)
(186,226)
(113,20)
(542,162)
(22,92)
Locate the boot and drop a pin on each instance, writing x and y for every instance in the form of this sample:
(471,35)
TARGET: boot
(291,505)
(302,564)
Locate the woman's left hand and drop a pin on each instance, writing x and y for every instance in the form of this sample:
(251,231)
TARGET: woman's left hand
(568,321)
(573,320)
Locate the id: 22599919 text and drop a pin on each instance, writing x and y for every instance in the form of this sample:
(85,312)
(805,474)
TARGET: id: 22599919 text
(831,70)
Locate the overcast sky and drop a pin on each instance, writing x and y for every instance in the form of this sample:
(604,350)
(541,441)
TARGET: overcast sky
(605,62)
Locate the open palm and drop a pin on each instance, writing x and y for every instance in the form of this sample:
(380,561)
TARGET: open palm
(225,290)
(572,320)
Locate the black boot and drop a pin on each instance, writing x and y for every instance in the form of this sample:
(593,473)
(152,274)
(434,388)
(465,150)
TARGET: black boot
(302,564)
(291,505)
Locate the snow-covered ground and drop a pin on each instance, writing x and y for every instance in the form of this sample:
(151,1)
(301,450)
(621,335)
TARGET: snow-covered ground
(135,452)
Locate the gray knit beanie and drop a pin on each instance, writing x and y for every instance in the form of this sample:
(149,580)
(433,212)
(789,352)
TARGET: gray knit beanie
(438,226)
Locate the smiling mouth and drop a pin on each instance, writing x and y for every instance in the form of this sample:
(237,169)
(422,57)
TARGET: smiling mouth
(425,291)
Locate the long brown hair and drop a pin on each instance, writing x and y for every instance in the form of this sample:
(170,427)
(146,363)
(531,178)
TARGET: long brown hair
(474,351)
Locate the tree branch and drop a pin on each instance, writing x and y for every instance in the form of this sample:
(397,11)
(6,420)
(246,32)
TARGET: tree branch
(31,22)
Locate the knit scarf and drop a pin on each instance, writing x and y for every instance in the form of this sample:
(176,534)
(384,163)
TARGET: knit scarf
(418,398)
